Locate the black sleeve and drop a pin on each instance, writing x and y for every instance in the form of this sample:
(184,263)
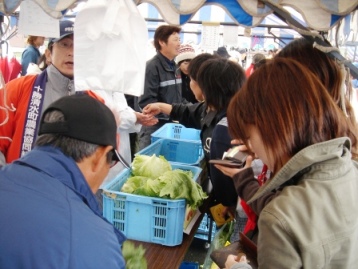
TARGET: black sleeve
(188,114)
(223,186)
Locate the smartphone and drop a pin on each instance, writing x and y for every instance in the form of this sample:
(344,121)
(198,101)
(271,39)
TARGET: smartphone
(232,158)
(228,163)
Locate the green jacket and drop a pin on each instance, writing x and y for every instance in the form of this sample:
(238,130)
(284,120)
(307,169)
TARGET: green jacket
(313,220)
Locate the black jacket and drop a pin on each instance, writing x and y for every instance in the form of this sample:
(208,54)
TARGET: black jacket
(186,90)
(162,83)
(223,186)
(196,116)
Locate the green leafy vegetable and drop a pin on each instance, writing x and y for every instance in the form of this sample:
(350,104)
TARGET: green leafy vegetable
(180,184)
(134,256)
(221,237)
(157,179)
(133,183)
(142,186)
(150,166)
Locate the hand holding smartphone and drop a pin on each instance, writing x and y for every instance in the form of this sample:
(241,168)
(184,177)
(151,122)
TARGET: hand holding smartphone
(232,158)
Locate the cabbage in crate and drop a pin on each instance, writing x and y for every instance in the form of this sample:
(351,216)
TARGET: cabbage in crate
(153,176)
(150,166)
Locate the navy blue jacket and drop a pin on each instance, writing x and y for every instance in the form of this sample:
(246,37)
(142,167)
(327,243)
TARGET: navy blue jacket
(50,218)
(196,116)
(223,186)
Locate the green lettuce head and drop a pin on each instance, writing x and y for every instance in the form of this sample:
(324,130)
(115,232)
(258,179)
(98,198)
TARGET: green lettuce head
(150,166)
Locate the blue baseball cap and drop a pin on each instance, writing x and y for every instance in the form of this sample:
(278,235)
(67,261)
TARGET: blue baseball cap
(66,29)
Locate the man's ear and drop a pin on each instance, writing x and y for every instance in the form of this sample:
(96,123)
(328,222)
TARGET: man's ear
(48,56)
(162,43)
(95,167)
(100,158)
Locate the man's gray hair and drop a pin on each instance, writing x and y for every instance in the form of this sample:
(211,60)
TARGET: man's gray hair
(74,148)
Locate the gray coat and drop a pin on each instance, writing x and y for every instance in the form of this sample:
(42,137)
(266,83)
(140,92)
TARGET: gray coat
(312,222)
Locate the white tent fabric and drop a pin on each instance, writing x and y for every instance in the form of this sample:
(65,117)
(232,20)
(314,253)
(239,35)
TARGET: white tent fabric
(318,14)
(337,17)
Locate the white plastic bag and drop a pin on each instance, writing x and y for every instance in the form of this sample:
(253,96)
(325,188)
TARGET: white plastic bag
(109,47)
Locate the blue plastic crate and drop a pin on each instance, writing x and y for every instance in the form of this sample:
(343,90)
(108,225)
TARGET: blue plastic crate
(176,151)
(189,265)
(143,218)
(203,230)
(176,131)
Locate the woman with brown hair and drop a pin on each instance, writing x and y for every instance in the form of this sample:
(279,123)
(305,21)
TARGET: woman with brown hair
(332,75)
(293,125)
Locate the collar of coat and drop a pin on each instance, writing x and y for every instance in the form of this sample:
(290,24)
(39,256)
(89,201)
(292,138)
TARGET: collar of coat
(302,162)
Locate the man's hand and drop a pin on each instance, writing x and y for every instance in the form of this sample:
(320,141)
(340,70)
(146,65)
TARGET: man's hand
(146,120)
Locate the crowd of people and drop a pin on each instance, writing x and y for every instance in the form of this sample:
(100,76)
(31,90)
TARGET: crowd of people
(291,111)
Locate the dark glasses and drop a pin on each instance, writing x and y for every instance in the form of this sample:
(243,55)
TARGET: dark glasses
(116,157)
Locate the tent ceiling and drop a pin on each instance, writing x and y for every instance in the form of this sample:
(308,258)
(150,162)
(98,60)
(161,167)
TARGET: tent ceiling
(318,14)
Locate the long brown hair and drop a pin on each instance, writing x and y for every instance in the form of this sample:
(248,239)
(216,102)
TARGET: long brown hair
(329,72)
(290,107)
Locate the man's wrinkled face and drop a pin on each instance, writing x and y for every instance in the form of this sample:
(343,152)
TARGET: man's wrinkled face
(171,48)
(61,56)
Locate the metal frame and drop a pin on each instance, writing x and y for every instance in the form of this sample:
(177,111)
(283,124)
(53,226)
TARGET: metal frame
(287,18)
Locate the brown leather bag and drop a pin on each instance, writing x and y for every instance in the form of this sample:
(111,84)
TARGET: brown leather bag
(244,245)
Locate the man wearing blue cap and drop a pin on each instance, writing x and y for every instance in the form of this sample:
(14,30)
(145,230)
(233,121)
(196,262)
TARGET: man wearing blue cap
(27,97)
(49,215)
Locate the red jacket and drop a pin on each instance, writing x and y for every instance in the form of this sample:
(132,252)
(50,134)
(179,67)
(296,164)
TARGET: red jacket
(17,93)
